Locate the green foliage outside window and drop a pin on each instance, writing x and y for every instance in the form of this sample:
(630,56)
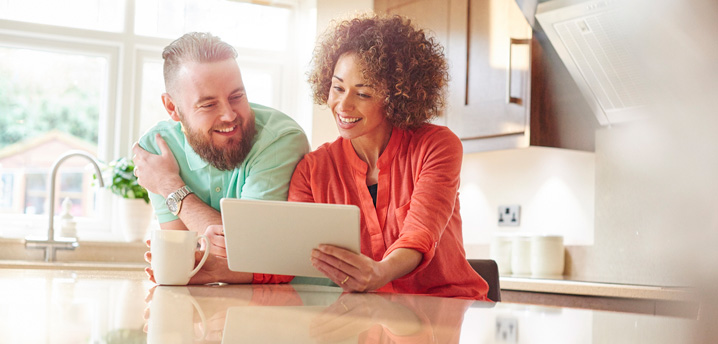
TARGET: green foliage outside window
(63,97)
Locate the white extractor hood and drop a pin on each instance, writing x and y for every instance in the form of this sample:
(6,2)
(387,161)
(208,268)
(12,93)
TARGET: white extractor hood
(594,40)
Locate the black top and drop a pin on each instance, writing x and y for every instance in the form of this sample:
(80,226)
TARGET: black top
(372,192)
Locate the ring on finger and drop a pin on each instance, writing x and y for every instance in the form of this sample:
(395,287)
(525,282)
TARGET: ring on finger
(345,279)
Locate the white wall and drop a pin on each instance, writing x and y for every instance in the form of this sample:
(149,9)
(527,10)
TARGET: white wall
(554,187)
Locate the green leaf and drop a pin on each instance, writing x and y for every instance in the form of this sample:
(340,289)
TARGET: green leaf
(124,183)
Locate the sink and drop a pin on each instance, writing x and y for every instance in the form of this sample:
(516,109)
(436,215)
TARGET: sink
(117,256)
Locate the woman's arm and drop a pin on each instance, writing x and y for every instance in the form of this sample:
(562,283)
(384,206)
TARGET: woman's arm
(437,167)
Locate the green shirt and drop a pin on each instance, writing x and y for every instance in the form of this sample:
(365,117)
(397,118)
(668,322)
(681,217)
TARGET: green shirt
(264,175)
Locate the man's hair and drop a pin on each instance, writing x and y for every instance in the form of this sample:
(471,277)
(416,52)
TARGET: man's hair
(406,66)
(199,47)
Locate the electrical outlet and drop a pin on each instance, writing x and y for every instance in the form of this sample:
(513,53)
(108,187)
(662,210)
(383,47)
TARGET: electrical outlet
(507,330)
(509,215)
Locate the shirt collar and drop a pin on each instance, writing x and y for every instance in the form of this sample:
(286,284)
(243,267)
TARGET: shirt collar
(384,159)
(194,161)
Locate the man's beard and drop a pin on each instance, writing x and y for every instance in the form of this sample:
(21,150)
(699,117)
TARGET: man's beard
(228,157)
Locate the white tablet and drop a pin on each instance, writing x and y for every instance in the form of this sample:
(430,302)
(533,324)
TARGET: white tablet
(277,237)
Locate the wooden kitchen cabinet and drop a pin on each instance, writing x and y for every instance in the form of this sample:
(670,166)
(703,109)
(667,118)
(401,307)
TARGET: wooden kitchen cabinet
(560,116)
(488,47)
(507,88)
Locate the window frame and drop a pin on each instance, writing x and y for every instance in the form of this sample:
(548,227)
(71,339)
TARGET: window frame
(126,53)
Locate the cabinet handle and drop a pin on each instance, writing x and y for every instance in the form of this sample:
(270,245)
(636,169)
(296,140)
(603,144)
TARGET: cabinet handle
(509,98)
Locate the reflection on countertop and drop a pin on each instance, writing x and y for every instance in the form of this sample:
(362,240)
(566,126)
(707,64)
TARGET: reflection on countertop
(101,306)
(301,314)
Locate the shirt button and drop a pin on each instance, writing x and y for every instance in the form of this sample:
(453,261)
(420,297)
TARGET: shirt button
(217,189)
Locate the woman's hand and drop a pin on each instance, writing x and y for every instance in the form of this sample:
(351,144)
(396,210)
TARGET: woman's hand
(353,272)
(359,273)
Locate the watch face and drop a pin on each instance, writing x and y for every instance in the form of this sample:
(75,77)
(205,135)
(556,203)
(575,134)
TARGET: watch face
(172,205)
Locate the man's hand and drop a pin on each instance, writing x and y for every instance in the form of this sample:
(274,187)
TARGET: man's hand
(158,174)
(215,234)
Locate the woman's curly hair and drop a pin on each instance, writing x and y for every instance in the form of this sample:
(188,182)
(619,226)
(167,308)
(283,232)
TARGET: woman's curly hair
(408,67)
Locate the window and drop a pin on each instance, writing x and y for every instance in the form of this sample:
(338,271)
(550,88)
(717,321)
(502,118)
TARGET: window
(235,22)
(6,192)
(89,77)
(85,14)
(51,101)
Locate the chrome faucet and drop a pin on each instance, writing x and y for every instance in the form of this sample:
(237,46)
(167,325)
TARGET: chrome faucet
(51,245)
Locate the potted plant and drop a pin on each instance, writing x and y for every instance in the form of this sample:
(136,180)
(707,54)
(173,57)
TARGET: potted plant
(134,209)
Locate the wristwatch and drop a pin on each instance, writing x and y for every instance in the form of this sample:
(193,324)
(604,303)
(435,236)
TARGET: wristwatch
(174,200)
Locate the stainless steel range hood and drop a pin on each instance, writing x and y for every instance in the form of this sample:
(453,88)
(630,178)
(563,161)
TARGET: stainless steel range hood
(528,7)
(593,39)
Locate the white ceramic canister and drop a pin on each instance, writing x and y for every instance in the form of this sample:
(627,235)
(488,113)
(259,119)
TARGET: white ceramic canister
(521,255)
(500,251)
(547,255)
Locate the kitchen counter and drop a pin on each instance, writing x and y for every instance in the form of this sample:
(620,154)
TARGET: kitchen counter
(112,266)
(671,301)
(572,287)
(116,306)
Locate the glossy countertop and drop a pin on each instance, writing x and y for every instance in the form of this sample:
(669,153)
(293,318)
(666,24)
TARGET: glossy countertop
(101,306)
(562,285)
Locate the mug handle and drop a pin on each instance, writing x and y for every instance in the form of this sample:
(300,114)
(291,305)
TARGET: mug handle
(204,257)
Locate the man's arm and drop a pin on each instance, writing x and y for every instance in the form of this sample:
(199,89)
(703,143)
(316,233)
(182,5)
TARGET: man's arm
(195,215)
(159,174)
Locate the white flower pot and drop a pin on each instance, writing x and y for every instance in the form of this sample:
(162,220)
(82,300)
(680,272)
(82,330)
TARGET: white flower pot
(134,218)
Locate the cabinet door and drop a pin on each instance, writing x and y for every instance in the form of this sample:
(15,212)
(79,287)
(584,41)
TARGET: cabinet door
(430,15)
(489,54)
(487,43)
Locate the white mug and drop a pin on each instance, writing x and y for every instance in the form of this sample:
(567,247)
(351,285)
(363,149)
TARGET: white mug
(171,317)
(173,256)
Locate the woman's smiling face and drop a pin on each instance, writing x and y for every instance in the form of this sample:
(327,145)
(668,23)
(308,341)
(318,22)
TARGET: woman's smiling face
(357,107)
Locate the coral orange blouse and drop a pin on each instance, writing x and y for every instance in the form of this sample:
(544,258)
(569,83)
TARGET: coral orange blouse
(417,205)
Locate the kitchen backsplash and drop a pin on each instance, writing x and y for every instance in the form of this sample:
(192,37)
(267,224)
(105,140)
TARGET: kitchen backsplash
(554,187)
(637,211)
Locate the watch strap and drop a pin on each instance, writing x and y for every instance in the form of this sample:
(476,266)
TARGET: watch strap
(174,200)
(181,193)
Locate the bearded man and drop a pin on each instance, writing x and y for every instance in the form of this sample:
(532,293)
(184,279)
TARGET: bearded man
(216,144)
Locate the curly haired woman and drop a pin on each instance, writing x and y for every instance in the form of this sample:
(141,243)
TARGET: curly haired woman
(384,80)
